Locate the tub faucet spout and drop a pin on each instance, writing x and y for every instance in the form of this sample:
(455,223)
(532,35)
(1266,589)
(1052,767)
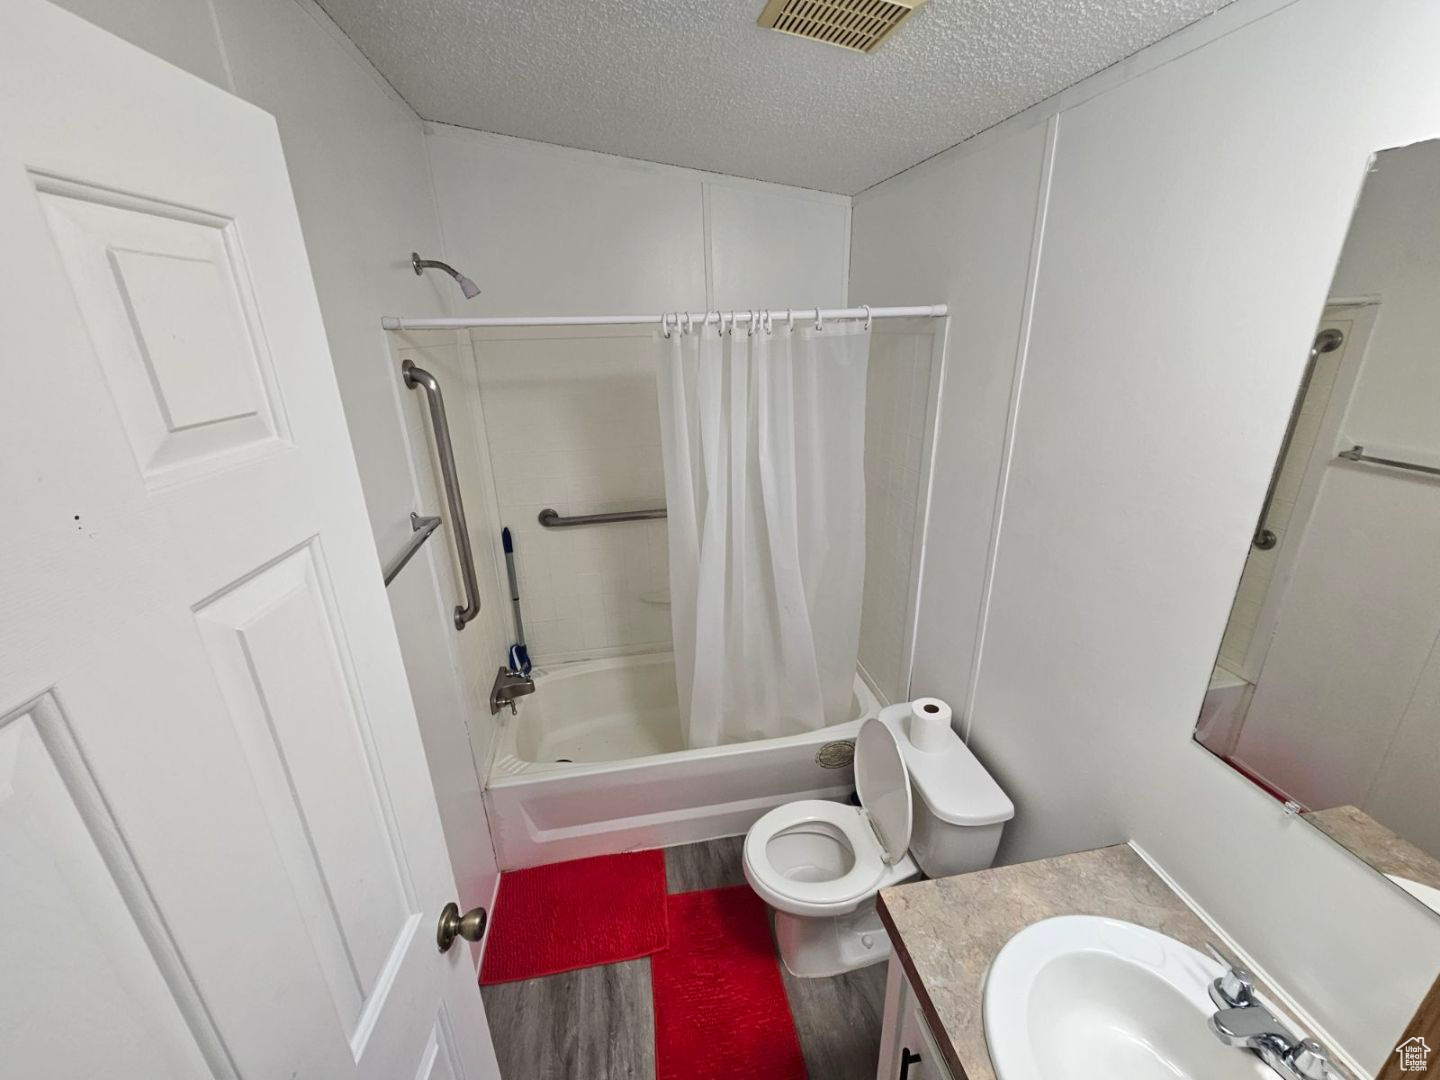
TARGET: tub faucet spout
(508,686)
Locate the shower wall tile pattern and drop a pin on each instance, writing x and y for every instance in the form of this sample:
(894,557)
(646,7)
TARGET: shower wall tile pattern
(897,393)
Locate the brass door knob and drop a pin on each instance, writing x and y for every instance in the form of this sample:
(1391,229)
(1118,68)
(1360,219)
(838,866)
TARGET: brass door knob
(470,926)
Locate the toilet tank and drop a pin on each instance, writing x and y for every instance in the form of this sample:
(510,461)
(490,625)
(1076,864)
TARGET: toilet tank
(959,809)
(942,849)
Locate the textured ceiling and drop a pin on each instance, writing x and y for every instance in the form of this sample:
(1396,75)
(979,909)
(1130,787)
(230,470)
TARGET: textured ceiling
(697,83)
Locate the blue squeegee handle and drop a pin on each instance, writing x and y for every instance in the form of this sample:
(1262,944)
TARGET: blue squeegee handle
(514,585)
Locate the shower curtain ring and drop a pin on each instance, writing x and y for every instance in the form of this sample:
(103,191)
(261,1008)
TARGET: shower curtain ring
(790,318)
(867,315)
(665,326)
(689,324)
(750,325)
(819,321)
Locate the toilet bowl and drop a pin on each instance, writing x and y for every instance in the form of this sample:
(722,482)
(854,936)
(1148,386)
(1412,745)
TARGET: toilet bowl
(819,864)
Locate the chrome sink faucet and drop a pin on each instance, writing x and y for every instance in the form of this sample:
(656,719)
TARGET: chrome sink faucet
(1242,1021)
(508,686)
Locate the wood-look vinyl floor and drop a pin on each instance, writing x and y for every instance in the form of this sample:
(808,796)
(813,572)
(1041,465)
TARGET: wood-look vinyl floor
(598,1023)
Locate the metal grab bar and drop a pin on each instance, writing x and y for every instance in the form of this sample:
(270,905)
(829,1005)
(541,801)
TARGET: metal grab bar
(1358,454)
(551,519)
(1325,341)
(421,528)
(419,377)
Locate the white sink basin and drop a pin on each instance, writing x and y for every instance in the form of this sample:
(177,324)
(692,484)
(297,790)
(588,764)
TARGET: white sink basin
(1085,998)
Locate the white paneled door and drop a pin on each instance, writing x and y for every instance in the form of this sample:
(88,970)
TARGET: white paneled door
(220,853)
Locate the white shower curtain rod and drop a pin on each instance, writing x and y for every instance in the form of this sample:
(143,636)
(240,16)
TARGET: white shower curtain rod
(920,311)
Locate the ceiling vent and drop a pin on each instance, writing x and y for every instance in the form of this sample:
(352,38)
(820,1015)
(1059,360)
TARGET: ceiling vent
(861,25)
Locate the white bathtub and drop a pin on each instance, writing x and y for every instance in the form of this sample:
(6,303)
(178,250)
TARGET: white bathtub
(594,763)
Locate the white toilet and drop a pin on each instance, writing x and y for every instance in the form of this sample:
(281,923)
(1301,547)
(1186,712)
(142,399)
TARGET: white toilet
(819,864)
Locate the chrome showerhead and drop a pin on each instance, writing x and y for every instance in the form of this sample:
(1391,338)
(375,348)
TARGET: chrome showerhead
(1328,341)
(419,265)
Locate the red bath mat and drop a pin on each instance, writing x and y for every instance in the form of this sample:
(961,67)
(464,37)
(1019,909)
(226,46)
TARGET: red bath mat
(576,914)
(720,1006)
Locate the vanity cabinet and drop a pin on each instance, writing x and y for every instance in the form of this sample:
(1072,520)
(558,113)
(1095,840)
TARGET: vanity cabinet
(908,1048)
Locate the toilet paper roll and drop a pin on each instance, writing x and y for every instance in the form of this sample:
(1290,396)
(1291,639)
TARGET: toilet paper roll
(930,725)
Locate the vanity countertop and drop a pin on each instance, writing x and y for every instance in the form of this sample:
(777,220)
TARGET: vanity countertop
(1366,838)
(947,931)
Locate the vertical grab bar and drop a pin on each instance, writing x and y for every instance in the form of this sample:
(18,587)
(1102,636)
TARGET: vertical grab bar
(1325,341)
(419,377)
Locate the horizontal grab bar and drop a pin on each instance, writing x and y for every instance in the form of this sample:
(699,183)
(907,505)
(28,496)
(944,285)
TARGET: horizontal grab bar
(1357,453)
(421,528)
(551,519)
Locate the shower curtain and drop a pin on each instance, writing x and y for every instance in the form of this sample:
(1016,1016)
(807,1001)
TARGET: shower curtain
(763,437)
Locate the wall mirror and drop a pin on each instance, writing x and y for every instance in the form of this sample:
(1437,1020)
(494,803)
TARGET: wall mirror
(1326,690)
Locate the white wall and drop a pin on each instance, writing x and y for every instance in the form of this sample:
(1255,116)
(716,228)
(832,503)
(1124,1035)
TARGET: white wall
(957,230)
(552,231)
(1206,183)
(357,163)
(569,416)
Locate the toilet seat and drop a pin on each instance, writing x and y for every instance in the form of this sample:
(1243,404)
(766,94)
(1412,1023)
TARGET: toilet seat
(831,897)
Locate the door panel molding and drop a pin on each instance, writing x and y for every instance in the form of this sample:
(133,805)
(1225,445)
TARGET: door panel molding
(276,647)
(44,719)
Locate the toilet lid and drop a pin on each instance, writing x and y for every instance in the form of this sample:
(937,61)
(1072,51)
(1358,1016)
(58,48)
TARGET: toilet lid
(883,784)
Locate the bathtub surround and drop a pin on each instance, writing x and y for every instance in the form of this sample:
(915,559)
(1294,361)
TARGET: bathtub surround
(763,438)
(904,371)
(571,424)
(596,763)
(483,645)
(1123,450)
(571,417)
